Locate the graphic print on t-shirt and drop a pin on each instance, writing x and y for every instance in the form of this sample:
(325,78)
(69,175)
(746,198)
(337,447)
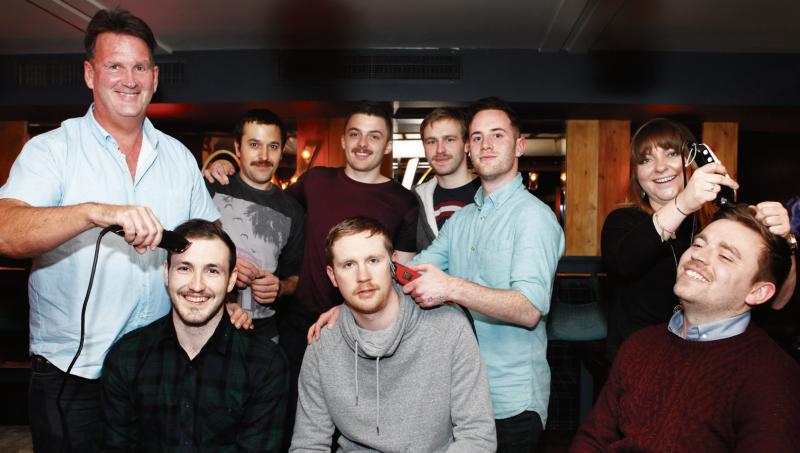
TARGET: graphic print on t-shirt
(447,202)
(260,233)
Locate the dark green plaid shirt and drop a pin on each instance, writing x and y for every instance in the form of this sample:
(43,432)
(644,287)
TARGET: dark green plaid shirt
(230,397)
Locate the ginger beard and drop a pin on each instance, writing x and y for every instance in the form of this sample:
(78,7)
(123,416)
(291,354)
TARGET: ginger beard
(361,269)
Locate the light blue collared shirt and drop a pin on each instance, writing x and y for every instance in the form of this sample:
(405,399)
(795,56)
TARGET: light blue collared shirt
(717,330)
(509,240)
(81,162)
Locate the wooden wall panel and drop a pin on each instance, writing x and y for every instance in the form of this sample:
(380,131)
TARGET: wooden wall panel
(581,193)
(723,139)
(13,135)
(597,179)
(614,173)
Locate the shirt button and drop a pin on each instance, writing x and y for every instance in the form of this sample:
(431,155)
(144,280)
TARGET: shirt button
(187,405)
(472,248)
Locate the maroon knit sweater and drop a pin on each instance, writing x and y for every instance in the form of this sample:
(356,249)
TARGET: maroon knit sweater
(669,394)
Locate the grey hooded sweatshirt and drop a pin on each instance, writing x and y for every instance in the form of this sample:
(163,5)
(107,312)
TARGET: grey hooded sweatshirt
(418,386)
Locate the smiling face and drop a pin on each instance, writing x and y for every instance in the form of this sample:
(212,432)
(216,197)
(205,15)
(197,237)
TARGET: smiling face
(122,77)
(717,275)
(444,146)
(198,280)
(259,153)
(360,268)
(365,141)
(494,146)
(660,174)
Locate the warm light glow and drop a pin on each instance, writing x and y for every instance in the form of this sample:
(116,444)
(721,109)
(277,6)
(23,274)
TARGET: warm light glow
(563,176)
(293,179)
(306,154)
(533,176)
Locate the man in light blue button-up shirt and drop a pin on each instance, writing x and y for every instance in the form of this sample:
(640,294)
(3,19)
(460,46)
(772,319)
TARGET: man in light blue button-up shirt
(500,256)
(110,167)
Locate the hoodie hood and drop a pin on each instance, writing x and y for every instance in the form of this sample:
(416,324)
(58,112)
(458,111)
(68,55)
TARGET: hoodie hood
(383,344)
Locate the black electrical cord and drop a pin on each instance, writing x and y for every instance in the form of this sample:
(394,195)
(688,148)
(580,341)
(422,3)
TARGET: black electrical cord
(171,242)
(65,431)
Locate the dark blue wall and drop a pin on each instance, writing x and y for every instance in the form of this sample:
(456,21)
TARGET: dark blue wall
(517,75)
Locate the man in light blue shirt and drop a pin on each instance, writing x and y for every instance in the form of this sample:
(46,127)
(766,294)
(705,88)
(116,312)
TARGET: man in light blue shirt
(500,256)
(110,167)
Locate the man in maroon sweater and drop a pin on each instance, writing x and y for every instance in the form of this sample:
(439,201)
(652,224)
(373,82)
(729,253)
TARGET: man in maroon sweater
(709,380)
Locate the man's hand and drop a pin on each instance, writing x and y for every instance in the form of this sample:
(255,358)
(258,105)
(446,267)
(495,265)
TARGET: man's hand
(265,288)
(432,288)
(247,272)
(239,318)
(142,229)
(774,216)
(328,319)
(219,170)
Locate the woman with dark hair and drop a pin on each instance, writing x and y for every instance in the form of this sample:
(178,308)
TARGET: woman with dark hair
(642,242)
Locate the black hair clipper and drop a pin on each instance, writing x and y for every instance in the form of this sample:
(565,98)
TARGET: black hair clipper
(703,155)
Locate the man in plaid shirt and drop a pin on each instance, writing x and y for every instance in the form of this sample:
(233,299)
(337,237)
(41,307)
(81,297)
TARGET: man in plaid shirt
(190,381)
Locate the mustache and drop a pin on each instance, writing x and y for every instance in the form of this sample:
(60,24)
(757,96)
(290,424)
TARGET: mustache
(257,163)
(365,287)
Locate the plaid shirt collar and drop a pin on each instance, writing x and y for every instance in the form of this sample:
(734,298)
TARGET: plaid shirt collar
(219,340)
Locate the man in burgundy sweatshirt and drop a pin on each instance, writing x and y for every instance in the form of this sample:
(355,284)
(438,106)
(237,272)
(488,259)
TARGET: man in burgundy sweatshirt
(709,380)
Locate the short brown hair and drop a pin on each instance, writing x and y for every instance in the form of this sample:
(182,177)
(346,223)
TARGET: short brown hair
(776,259)
(117,21)
(445,113)
(382,110)
(355,225)
(494,103)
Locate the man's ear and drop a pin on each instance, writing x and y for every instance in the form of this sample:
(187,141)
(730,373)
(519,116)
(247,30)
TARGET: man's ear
(88,74)
(388,149)
(155,78)
(329,270)
(232,279)
(236,149)
(520,147)
(166,273)
(760,293)
(342,141)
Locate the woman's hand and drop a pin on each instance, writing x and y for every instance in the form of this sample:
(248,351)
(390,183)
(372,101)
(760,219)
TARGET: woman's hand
(703,186)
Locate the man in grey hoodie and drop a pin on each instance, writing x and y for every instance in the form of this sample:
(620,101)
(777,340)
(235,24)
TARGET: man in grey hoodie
(434,396)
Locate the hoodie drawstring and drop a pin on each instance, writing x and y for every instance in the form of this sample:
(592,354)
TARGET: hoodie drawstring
(378,395)
(355,365)
(377,386)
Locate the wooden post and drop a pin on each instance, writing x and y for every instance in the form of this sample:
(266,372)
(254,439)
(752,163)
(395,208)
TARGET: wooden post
(13,135)
(597,179)
(723,139)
